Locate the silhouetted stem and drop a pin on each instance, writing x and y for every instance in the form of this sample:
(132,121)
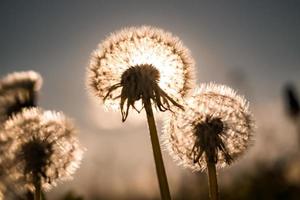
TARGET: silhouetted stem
(38,190)
(212,180)
(159,164)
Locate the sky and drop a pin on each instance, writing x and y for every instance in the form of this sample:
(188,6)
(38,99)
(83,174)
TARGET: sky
(253,46)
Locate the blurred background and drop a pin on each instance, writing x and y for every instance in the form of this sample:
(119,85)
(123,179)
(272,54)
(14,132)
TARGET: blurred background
(252,46)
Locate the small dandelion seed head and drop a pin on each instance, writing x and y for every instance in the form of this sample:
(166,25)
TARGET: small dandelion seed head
(39,145)
(18,90)
(137,49)
(216,126)
(27,79)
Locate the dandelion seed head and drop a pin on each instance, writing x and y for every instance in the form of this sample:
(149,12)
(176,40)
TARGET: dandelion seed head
(138,47)
(39,144)
(18,90)
(26,79)
(216,124)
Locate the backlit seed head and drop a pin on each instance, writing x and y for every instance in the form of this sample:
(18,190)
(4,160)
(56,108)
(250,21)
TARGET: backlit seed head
(140,62)
(39,145)
(216,126)
(18,90)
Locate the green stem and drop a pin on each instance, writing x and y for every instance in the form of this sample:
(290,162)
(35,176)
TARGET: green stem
(159,164)
(212,180)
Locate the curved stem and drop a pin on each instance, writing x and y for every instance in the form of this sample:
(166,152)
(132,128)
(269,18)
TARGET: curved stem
(159,164)
(212,180)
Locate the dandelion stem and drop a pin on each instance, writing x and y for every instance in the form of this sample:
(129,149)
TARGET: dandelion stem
(159,164)
(38,190)
(212,181)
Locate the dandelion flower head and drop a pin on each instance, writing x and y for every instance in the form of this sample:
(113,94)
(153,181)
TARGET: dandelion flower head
(216,126)
(39,145)
(140,62)
(18,90)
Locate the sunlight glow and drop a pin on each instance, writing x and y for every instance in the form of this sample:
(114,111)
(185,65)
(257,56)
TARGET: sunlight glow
(138,46)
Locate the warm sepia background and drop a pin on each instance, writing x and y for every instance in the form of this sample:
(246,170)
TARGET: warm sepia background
(253,46)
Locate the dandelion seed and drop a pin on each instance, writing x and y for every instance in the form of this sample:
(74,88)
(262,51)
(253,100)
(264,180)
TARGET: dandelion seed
(39,147)
(136,63)
(216,126)
(18,90)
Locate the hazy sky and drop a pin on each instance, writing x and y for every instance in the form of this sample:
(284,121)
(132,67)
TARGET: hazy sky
(261,38)
(251,45)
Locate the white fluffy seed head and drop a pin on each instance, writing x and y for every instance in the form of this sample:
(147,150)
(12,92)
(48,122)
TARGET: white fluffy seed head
(18,90)
(30,79)
(140,46)
(209,101)
(39,144)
